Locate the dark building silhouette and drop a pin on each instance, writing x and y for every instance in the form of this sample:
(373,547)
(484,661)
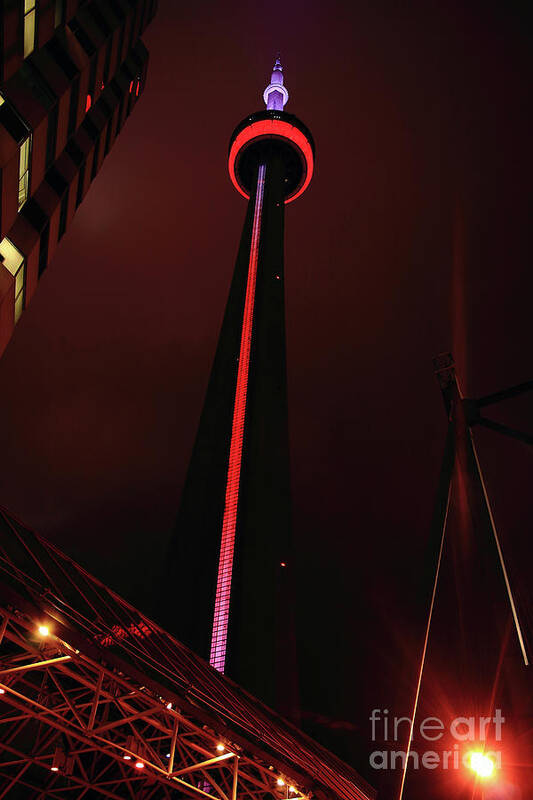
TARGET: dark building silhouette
(71,72)
(230,562)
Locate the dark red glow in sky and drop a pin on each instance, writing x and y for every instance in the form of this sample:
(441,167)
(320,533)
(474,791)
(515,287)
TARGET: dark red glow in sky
(412,239)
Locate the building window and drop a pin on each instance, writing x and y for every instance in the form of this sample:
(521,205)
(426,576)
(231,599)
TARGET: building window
(107,61)
(63,215)
(94,169)
(30,19)
(51,136)
(108,136)
(73,108)
(14,261)
(81,179)
(43,250)
(59,13)
(24,171)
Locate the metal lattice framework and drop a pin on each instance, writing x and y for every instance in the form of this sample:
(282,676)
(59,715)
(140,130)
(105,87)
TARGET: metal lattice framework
(97,701)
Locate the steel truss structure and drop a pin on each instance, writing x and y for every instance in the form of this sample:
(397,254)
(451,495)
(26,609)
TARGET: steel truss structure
(463,414)
(96,700)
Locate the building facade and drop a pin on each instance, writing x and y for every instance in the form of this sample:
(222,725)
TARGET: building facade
(71,72)
(231,568)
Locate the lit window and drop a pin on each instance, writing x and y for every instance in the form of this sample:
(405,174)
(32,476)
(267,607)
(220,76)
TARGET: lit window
(30,16)
(24,171)
(14,262)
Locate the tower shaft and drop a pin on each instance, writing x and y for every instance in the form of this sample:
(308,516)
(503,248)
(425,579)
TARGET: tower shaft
(233,527)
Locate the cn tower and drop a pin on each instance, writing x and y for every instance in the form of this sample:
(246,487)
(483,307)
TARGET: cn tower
(230,560)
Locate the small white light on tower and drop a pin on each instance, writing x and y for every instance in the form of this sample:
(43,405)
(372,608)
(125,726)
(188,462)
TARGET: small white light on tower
(280,782)
(220,748)
(169,706)
(44,630)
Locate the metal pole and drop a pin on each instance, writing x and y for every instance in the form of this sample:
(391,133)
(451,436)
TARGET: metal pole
(235,778)
(440,518)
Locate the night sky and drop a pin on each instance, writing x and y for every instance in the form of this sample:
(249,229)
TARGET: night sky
(413,239)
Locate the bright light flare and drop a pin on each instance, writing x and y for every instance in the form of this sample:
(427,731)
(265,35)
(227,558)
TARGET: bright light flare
(481,764)
(44,630)
(139,765)
(220,748)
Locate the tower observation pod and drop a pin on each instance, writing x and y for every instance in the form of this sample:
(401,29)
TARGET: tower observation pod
(272,134)
(230,559)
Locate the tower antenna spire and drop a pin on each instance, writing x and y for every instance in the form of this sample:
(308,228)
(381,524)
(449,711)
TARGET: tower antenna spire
(275,94)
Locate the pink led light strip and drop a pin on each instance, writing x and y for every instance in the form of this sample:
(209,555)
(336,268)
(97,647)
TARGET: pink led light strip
(219,637)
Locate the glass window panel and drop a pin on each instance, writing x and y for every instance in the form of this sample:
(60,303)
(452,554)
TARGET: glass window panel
(59,13)
(23,189)
(11,255)
(19,282)
(19,304)
(29,32)
(24,157)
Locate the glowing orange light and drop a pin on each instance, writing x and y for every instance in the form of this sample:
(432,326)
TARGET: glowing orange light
(481,764)
(44,630)
(139,765)
(220,748)
(292,789)
(280,782)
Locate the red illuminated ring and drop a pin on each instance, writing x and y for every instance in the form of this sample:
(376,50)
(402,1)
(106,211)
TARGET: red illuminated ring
(276,129)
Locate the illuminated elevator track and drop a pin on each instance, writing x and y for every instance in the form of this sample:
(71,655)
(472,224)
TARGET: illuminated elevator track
(219,637)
